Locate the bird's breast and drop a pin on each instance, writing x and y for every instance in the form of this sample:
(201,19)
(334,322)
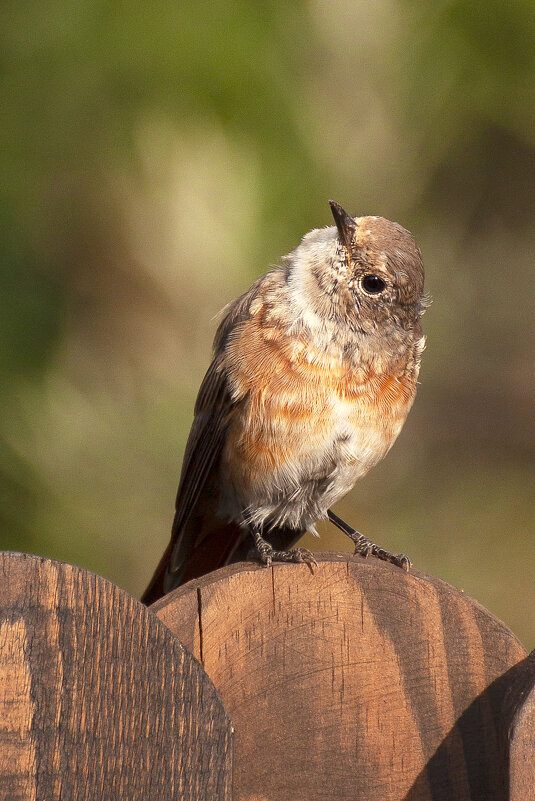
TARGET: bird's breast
(304,409)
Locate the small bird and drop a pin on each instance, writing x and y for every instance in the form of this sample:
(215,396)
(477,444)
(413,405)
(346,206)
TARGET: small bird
(314,371)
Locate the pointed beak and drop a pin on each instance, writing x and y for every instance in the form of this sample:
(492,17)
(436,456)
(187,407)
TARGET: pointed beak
(344,222)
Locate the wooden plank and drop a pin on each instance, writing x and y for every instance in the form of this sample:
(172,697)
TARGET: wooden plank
(98,700)
(519,731)
(358,682)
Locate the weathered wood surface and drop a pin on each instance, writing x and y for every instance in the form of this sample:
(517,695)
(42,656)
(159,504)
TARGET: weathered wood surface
(519,732)
(97,699)
(360,682)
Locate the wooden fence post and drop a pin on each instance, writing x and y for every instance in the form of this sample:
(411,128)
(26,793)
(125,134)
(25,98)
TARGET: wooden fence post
(518,723)
(98,700)
(358,683)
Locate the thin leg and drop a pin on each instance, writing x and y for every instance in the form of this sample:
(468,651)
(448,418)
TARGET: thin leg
(267,554)
(365,547)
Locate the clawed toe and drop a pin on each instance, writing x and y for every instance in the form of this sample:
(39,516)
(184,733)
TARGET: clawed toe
(403,561)
(367,548)
(265,555)
(364,547)
(304,555)
(268,556)
(265,552)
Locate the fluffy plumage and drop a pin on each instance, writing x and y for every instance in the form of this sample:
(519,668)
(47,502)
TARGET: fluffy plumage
(311,381)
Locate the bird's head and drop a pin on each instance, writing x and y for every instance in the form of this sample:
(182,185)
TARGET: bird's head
(364,272)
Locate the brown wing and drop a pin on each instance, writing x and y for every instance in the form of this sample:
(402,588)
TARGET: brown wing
(203,449)
(213,410)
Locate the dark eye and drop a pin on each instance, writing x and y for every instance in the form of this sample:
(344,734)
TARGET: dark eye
(372,284)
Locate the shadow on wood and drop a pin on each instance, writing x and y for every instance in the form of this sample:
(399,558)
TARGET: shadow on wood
(97,699)
(519,731)
(358,682)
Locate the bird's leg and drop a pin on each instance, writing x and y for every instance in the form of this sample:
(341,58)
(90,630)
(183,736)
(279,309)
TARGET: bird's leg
(267,554)
(365,547)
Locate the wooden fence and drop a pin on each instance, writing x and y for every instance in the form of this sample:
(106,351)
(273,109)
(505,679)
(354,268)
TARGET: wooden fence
(360,682)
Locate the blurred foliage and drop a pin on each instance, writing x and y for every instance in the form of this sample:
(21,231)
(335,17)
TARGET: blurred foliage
(157,158)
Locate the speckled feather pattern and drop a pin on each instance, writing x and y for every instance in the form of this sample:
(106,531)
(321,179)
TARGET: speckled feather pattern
(311,380)
(323,390)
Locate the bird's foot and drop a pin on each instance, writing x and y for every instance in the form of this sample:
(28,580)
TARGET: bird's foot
(365,547)
(267,554)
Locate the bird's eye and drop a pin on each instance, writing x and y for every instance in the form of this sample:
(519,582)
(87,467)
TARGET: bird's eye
(372,284)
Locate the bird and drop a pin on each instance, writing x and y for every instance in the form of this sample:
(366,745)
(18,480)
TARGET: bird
(314,371)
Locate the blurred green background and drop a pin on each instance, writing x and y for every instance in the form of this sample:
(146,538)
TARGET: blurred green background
(158,157)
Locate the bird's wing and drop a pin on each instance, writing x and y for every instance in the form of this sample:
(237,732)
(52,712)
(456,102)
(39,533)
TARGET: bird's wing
(213,411)
(203,448)
(214,408)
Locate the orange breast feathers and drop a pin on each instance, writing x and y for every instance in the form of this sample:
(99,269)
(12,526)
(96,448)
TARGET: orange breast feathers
(294,395)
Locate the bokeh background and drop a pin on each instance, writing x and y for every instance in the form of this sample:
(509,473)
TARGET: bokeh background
(157,157)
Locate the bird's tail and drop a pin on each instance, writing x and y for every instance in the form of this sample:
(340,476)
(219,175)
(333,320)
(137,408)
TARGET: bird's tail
(214,544)
(205,544)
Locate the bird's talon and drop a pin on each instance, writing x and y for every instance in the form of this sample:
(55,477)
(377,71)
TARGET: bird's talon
(267,555)
(403,561)
(364,550)
(304,555)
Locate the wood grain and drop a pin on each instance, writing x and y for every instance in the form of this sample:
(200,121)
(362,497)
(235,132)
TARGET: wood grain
(97,699)
(518,723)
(358,682)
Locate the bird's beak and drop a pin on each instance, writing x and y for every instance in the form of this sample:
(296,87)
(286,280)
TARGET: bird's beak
(344,222)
